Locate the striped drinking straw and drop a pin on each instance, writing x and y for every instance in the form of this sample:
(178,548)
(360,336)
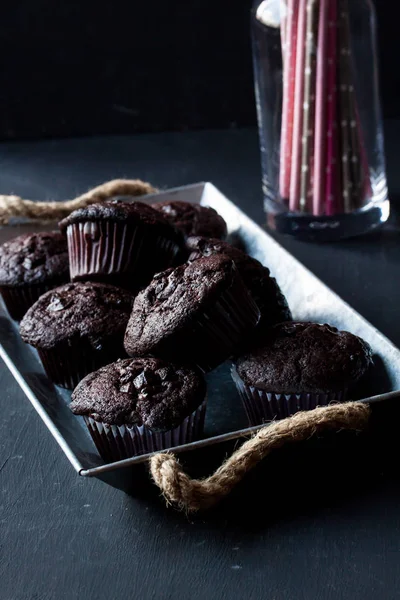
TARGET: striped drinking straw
(320,111)
(331,167)
(308,104)
(294,203)
(289,43)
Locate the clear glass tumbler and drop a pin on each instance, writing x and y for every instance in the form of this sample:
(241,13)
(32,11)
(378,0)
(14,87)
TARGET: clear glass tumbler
(319,117)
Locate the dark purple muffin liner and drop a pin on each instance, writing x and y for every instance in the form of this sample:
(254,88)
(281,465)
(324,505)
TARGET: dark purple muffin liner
(117,442)
(67,365)
(221,329)
(120,253)
(18,299)
(262,406)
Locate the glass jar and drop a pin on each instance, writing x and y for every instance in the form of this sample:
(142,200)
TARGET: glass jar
(319,117)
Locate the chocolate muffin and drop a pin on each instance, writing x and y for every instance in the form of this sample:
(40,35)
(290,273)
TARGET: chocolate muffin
(121,243)
(140,405)
(77,328)
(199,312)
(264,288)
(193,219)
(300,366)
(30,265)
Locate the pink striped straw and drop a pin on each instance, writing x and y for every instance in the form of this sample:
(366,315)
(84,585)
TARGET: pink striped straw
(331,101)
(308,102)
(289,65)
(345,107)
(354,195)
(320,114)
(310,125)
(298,109)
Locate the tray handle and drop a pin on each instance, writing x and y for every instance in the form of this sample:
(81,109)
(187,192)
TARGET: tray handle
(192,495)
(12,207)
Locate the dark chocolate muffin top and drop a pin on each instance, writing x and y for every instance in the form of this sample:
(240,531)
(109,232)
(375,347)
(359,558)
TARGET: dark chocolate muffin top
(34,258)
(118,210)
(140,391)
(90,311)
(172,298)
(264,288)
(193,219)
(305,357)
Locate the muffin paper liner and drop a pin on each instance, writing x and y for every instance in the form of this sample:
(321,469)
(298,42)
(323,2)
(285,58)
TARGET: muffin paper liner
(118,253)
(222,328)
(116,442)
(66,366)
(18,299)
(261,406)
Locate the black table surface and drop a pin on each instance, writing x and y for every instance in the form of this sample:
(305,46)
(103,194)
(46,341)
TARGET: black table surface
(311,522)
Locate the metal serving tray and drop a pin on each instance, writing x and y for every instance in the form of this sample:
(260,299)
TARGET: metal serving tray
(308,298)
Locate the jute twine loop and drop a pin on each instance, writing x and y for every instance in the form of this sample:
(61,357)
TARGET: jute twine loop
(194,495)
(14,206)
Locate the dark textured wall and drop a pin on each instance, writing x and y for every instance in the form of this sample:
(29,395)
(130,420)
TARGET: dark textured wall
(74,68)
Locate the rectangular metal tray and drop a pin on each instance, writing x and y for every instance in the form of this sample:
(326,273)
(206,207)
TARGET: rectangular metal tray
(308,298)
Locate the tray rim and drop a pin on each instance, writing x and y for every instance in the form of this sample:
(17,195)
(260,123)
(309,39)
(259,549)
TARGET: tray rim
(202,186)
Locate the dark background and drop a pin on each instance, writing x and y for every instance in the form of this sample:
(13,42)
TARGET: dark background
(312,522)
(80,68)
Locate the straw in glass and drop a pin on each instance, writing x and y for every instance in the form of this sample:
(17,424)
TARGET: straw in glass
(298,108)
(345,106)
(289,42)
(308,104)
(331,170)
(320,110)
